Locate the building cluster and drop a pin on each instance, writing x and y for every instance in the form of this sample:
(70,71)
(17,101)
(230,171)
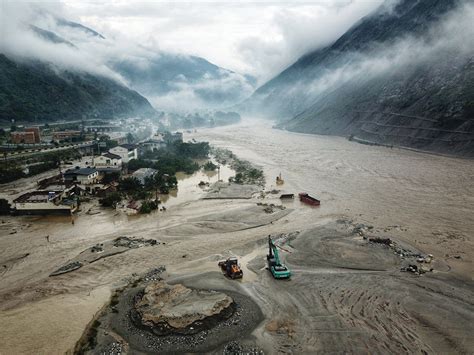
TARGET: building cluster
(60,193)
(30,135)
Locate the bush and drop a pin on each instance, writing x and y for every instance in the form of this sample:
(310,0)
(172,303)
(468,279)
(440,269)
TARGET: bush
(130,184)
(111,200)
(4,207)
(148,206)
(210,166)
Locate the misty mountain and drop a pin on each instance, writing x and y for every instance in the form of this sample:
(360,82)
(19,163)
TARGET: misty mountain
(50,36)
(77,26)
(31,90)
(175,76)
(402,75)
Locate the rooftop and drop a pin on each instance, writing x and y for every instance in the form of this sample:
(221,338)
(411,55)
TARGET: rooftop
(128,146)
(80,171)
(144,172)
(36,196)
(111,155)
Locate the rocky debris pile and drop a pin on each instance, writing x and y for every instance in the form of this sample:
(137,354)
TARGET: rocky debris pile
(154,274)
(115,348)
(424,265)
(236,348)
(360,228)
(176,308)
(415,269)
(270,208)
(386,241)
(405,253)
(98,248)
(133,243)
(67,268)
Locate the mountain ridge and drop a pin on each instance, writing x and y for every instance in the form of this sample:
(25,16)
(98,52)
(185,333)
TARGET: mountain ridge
(389,79)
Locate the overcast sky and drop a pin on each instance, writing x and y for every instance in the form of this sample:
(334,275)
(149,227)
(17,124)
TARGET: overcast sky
(260,38)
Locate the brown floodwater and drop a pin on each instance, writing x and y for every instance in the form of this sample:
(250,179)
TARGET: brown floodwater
(409,193)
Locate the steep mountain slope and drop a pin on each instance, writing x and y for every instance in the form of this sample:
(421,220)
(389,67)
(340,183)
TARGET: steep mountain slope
(32,90)
(179,76)
(401,76)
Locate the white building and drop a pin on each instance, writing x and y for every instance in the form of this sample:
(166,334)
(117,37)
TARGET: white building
(126,151)
(156,142)
(44,202)
(144,173)
(83,176)
(108,161)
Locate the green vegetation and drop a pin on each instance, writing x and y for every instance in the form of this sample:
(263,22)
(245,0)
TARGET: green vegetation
(12,170)
(111,200)
(246,173)
(209,166)
(4,207)
(129,185)
(31,90)
(148,206)
(177,157)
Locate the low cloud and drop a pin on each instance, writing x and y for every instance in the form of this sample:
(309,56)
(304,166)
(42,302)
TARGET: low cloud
(448,42)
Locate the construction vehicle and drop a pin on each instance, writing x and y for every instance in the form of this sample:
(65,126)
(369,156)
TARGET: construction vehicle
(278,270)
(231,267)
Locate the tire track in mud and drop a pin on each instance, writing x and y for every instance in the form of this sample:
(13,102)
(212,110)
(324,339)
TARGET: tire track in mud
(334,304)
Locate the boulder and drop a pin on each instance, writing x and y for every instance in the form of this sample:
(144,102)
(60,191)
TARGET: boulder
(177,306)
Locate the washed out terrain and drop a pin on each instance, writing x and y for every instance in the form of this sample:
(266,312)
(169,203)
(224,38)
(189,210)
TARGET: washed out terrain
(352,288)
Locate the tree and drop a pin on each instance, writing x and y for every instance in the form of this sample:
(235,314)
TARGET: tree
(111,200)
(130,184)
(130,138)
(4,207)
(148,206)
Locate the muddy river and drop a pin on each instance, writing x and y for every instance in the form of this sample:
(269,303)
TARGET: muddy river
(422,199)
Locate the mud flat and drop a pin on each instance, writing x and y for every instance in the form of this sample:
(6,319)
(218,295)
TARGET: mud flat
(103,250)
(231,219)
(347,294)
(119,327)
(227,190)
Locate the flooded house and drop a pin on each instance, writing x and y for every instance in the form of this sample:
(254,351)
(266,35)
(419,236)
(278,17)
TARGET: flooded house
(108,161)
(84,176)
(46,202)
(126,151)
(144,173)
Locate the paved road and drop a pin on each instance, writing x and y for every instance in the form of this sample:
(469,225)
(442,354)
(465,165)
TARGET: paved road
(31,152)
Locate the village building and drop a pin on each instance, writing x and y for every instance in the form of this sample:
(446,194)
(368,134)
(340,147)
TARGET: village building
(36,133)
(102,128)
(45,202)
(171,138)
(156,142)
(85,176)
(22,137)
(144,173)
(108,161)
(126,151)
(29,135)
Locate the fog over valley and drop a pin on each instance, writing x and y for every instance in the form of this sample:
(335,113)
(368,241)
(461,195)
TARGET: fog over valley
(236,177)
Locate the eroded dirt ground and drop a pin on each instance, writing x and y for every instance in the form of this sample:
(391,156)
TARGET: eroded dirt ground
(346,294)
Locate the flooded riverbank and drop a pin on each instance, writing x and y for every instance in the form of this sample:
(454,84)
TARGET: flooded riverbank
(426,199)
(420,200)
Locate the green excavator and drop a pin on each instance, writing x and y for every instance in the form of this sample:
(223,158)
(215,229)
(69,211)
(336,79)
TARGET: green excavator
(278,270)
